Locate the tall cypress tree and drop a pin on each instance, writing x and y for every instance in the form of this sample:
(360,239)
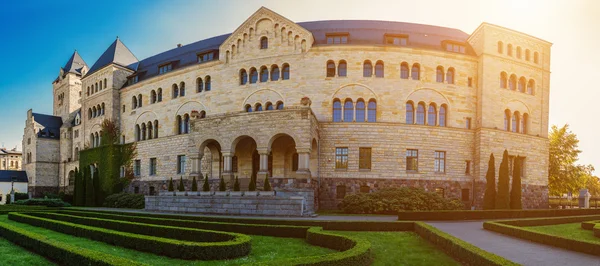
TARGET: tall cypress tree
(489,198)
(97,189)
(503,197)
(515,192)
(89,188)
(78,191)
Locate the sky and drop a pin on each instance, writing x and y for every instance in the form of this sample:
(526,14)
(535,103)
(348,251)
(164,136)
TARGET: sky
(38,37)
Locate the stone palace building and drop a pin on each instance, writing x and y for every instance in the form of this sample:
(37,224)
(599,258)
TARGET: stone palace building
(341,107)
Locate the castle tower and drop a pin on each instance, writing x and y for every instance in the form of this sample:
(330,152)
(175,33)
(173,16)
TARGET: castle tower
(67,87)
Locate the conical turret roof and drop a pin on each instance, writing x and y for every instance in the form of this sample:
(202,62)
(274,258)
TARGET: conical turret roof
(117,53)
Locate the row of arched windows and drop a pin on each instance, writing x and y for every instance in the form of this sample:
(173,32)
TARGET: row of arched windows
(519,52)
(449,77)
(203,85)
(177,91)
(146,131)
(432,115)
(521,85)
(406,71)
(515,122)
(96,87)
(351,112)
(95,139)
(156,96)
(136,101)
(182,122)
(265,74)
(96,111)
(268,106)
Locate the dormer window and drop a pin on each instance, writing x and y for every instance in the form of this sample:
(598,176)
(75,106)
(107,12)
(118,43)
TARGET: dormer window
(457,48)
(132,80)
(264,43)
(205,57)
(400,40)
(165,68)
(337,38)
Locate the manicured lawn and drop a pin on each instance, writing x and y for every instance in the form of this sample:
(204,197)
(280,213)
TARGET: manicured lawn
(402,248)
(11,254)
(572,230)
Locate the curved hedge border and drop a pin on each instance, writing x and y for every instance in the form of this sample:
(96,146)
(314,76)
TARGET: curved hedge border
(239,246)
(490,214)
(589,225)
(61,252)
(23,208)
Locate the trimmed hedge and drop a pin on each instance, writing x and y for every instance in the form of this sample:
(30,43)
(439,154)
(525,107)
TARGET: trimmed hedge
(125,200)
(238,246)
(491,214)
(393,200)
(61,252)
(5,209)
(43,202)
(551,221)
(457,248)
(589,225)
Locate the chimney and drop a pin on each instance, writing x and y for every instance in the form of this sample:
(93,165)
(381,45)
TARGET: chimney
(178,45)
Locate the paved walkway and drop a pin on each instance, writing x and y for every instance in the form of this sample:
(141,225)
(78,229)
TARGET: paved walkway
(517,250)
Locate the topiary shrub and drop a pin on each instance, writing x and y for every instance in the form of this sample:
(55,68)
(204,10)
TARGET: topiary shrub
(222,185)
(267,186)
(503,194)
(236,185)
(171,188)
(181,187)
(206,186)
(489,197)
(194,184)
(515,192)
(252,185)
(392,200)
(125,200)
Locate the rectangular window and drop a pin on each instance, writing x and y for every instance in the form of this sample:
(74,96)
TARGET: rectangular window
(468,123)
(165,68)
(470,82)
(364,158)
(468,167)
(123,108)
(152,166)
(440,162)
(465,194)
(396,40)
(412,160)
(205,57)
(451,47)
(133,80)
(341,158)
(180,164)
(338,38)
(137,165)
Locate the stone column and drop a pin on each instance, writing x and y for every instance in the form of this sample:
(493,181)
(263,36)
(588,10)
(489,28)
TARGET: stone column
(195,160)
(303,163)
(227,171)
(263,169)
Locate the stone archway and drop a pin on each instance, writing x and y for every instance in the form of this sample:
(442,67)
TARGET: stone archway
(283,157)
(244,153)
(211,163)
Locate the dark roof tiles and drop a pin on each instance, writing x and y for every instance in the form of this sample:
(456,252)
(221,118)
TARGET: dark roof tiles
(8,175)
(117,53)
(51,125)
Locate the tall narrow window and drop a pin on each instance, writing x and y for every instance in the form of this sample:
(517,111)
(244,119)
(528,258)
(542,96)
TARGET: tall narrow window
(134,103)
(522,84)
(415,72)
(348,111)
(182,89)
(274,73)
(179,124)
(137,133)
(175,91)
(337,111)
(264,74)
(527,55)
(200,84)
(364,158)
(137,165)
(159,95)
(279,105)
(372,111)
(512,82)
(519,52)
(207,83)
(234,164)
(440,162)
(450,76)
(439,74)
(253,75)
(410,113)
(150,130)
(285,73)
(153,96)
(180,164)
(330,69)
(515,122)
(360,111)
(420,114)
(367,69)
(500,47)
(536,58)
(503,80)
(507,120)
(341,158)
(531,87)
(443,115)
(468,123)
(186,124)
(342,67)
(143,131)
(524,122)
(379,70)
(264,43)
(412,160)
(295,161)
(243,77)
(468,167)
(431,115)
(155,129)
(404,70)
(509,50)
(152,166)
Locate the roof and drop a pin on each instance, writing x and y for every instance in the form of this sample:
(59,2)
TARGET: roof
(8,175)
(75,64)
(117,53)
(360,32)
(51,125)
(4,151)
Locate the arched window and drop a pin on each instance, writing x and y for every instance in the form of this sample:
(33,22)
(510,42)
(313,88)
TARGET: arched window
(150,129)
(342,68)
(155,129)
(139,100)
(522,84)
(503,80)
(500,47)
(379,70)
(527,55)
(94,113)
(507,120)
(285,73)
(137,133)
(524,122)
(258,107)
(410,113)
(182,89)
(415,72)
(274,73)
(330,69)
(337,111)
(536,58)
(203,114)
(159,95)
(101,87)
(431,115)
(450,76)
(279,105)
(76,155)
(186,124)
(443,115)
(153,96)
(404,70)
(372,111)
(253,75)
(519,52)
(269,106)
(207,83)
(105,83)
(88,91)
(248,108)
(439,74)
(96,87)
(175,91)
(264,74)
(243,79)
(421,114)
(348,111)
(143,131)
(264,43)
(102,108)
(367,69)
(179,124)
(515,122)
(512,82)
(134,102)
(360,110)
(90,113)
(531,87)
(509,50)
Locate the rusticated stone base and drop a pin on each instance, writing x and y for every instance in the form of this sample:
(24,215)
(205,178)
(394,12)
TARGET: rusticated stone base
(535,197)
(38,191)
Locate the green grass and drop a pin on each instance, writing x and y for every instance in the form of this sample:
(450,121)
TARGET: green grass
(11,254)
(571,230)
(401,248)
(264,248)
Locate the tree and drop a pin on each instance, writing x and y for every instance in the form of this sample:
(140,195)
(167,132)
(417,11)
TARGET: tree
(515,192)
(79,196)
(194,184)
(171,188)
(98,195)
(252,184)
(236,185)
(206,186)
(181,187)
(89,188)
(563,174)
(222,185)
(267,185)
(502,196)
(593,184)
(489,198)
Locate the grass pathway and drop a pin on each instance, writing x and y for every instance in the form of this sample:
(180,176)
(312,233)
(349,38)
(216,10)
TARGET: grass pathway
(572,230)
(14,255)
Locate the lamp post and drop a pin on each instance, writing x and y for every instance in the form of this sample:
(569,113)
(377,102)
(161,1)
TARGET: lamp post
(12,190)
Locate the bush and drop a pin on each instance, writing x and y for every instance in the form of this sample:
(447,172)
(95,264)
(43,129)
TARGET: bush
(206,186)
(267,186)
(194,184)
(503,194)
(125,200)
(236,185)
(171,188)
(43,202)
(392,200)
(181,187)
(222,185)
(489,196)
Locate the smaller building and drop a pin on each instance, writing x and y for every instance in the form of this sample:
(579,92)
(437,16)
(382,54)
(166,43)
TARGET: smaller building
(10,159)
(7,177)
